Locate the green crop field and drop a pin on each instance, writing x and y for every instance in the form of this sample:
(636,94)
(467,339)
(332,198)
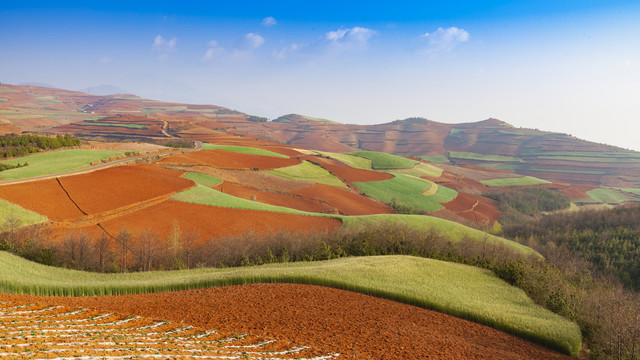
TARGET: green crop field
(435,158)
(631,190)
(9,90)
(420,170)
(463,291)
(407,190)
(243,150)
(482,157)
(308,171)
(519,181)
(207,196)
(21,216)
(451,230)
(128,126)
(527,168)
(203,179)
(349,160)
(55,162)
(384,161)
(609,196)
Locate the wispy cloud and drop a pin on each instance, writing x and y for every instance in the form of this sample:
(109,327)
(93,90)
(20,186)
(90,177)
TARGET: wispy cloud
(105,60)
(444,39)
(252,41)
(286,52)
(356,38)
(214,50)
(164,46)
(269,21)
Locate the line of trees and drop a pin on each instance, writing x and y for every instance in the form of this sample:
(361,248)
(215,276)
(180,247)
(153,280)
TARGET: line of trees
(562,281)
(17,145)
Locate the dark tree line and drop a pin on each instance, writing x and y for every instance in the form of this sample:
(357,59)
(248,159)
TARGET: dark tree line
(16,145)
(519,206)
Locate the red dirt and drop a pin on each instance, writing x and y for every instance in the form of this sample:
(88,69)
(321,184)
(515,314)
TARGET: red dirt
(278,199)
(347,173)
(347,202)
(45,197)
(120,186)
(474,208)
(328,320)
(230,160)
(211,221)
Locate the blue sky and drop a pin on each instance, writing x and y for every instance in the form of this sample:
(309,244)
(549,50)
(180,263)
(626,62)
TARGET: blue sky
(567,66)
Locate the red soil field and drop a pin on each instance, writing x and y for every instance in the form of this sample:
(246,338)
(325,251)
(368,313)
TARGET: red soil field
(120,186)
(45,197)
(346,202)
(230,160)
(328,320)
(347,173)
(474,208)
(287,200)
(211,221)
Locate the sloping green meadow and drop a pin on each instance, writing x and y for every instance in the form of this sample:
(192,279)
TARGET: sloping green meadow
(203,179)
(21,216)
(459,290)
(407,190)
(243,150)
(55,162)
(381,161)
(518,181)
(307,171)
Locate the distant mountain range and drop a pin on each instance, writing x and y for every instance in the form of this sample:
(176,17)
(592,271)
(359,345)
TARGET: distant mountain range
(490,144)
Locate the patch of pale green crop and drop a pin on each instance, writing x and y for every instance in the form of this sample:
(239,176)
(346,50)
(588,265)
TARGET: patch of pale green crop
(206,196)
(610,196)
(407,190)
(383,161)
(482,157)
(19,216)
(349,160)
(307,171)
(243,150)
(460,290)
(435,158)
(203,179)
(518,181)
(420,170)
(55,162)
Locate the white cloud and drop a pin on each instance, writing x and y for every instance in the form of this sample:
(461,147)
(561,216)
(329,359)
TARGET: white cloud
(214,50)
(164,46)
(445,39)
(269,21)
(252,41)
(356,38)
(105,60)
(287,51)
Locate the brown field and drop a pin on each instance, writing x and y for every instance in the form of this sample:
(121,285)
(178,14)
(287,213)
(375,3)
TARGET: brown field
(45,197)
(346,202)
(115,187)
(347,173)
(230,160)
(210,221)
(279,199)
(327,320)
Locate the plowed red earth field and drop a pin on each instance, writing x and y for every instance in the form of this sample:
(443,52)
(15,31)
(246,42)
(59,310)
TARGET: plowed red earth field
(230,160)
(119,186)
(265,197)
(211,221)
(474,208)
(328,320)
(347,173)
(45,197)
(347,202)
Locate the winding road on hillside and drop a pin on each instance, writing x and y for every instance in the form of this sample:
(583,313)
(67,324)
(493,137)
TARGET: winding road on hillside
(197,146)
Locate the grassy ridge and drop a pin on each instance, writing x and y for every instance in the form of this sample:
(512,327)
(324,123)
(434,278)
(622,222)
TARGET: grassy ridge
(463,291)
(128,126)
(22,216)
(407,190)
(308,171)
(349,160)
(453,230)
(381,161)
(243,150)
(508,182)
(609,196)
(55,162)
